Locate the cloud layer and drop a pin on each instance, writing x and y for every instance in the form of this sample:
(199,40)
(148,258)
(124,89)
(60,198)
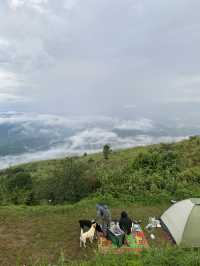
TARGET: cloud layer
(116,57)
(29,137)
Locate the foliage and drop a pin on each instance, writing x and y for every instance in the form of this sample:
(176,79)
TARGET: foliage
(68,181)
(16,187)
(106,151)
(150,174)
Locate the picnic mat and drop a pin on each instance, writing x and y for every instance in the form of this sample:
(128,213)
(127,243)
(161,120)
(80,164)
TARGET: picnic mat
(135,242)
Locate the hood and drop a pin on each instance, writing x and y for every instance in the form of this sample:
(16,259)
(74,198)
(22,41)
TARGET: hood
(124,214)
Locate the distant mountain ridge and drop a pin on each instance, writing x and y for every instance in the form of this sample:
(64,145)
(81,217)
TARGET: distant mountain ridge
(26,137)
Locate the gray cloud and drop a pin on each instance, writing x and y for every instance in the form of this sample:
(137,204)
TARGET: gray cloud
(95,57)
(142,124)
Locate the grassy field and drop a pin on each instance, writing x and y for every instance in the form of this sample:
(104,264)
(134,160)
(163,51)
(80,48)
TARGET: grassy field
(140,181)
(33,234)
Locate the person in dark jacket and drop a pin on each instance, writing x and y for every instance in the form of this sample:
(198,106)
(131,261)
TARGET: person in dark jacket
(125,223)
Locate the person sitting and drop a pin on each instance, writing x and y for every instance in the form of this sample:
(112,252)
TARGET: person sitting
(125,223)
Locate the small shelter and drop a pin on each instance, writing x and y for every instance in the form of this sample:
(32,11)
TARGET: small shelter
(182,220)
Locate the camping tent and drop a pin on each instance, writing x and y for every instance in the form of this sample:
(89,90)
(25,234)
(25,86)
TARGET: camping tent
(183,222)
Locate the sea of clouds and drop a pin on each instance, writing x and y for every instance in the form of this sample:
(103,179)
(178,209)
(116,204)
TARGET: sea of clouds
(77,135)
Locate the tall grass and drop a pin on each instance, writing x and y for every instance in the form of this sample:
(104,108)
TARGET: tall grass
(152,257)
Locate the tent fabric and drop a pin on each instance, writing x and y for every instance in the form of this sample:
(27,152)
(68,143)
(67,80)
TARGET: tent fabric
(183,220)
(175,218)
(191,235)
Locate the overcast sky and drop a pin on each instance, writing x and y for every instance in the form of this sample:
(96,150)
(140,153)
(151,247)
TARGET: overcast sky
(100,57)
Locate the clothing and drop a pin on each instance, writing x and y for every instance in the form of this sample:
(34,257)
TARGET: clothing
(116,230)
(103,214)
(125,223)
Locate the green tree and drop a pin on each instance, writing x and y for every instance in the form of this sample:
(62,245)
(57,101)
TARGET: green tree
(20,180)
(69,182)
(106,151)
(19,187)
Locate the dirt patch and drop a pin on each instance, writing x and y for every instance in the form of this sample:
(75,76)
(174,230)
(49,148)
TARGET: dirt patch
(31,236)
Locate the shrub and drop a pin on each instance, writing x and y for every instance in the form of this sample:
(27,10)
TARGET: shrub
(68,183)
(20,180)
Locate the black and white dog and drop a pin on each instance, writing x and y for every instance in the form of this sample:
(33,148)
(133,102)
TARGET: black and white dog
(88,224)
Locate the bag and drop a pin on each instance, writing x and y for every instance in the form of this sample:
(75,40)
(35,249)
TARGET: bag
(117,240)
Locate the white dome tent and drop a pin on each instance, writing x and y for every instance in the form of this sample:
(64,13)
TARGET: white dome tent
(183,222)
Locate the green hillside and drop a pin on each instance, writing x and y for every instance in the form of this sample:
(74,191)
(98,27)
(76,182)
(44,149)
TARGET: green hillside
(152,174)
(42,202)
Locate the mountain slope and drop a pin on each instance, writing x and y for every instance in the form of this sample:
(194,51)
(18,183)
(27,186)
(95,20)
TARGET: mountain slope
(139,180)
(152,173)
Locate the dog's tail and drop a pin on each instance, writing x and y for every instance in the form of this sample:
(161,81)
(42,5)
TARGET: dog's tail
(81,231)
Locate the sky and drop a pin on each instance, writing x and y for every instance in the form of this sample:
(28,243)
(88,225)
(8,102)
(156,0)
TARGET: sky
(79,74)
(134,58)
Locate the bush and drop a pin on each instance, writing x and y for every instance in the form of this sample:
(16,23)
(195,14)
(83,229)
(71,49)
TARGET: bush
(161,161)
(16,188)
(68,183)
(20,180)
